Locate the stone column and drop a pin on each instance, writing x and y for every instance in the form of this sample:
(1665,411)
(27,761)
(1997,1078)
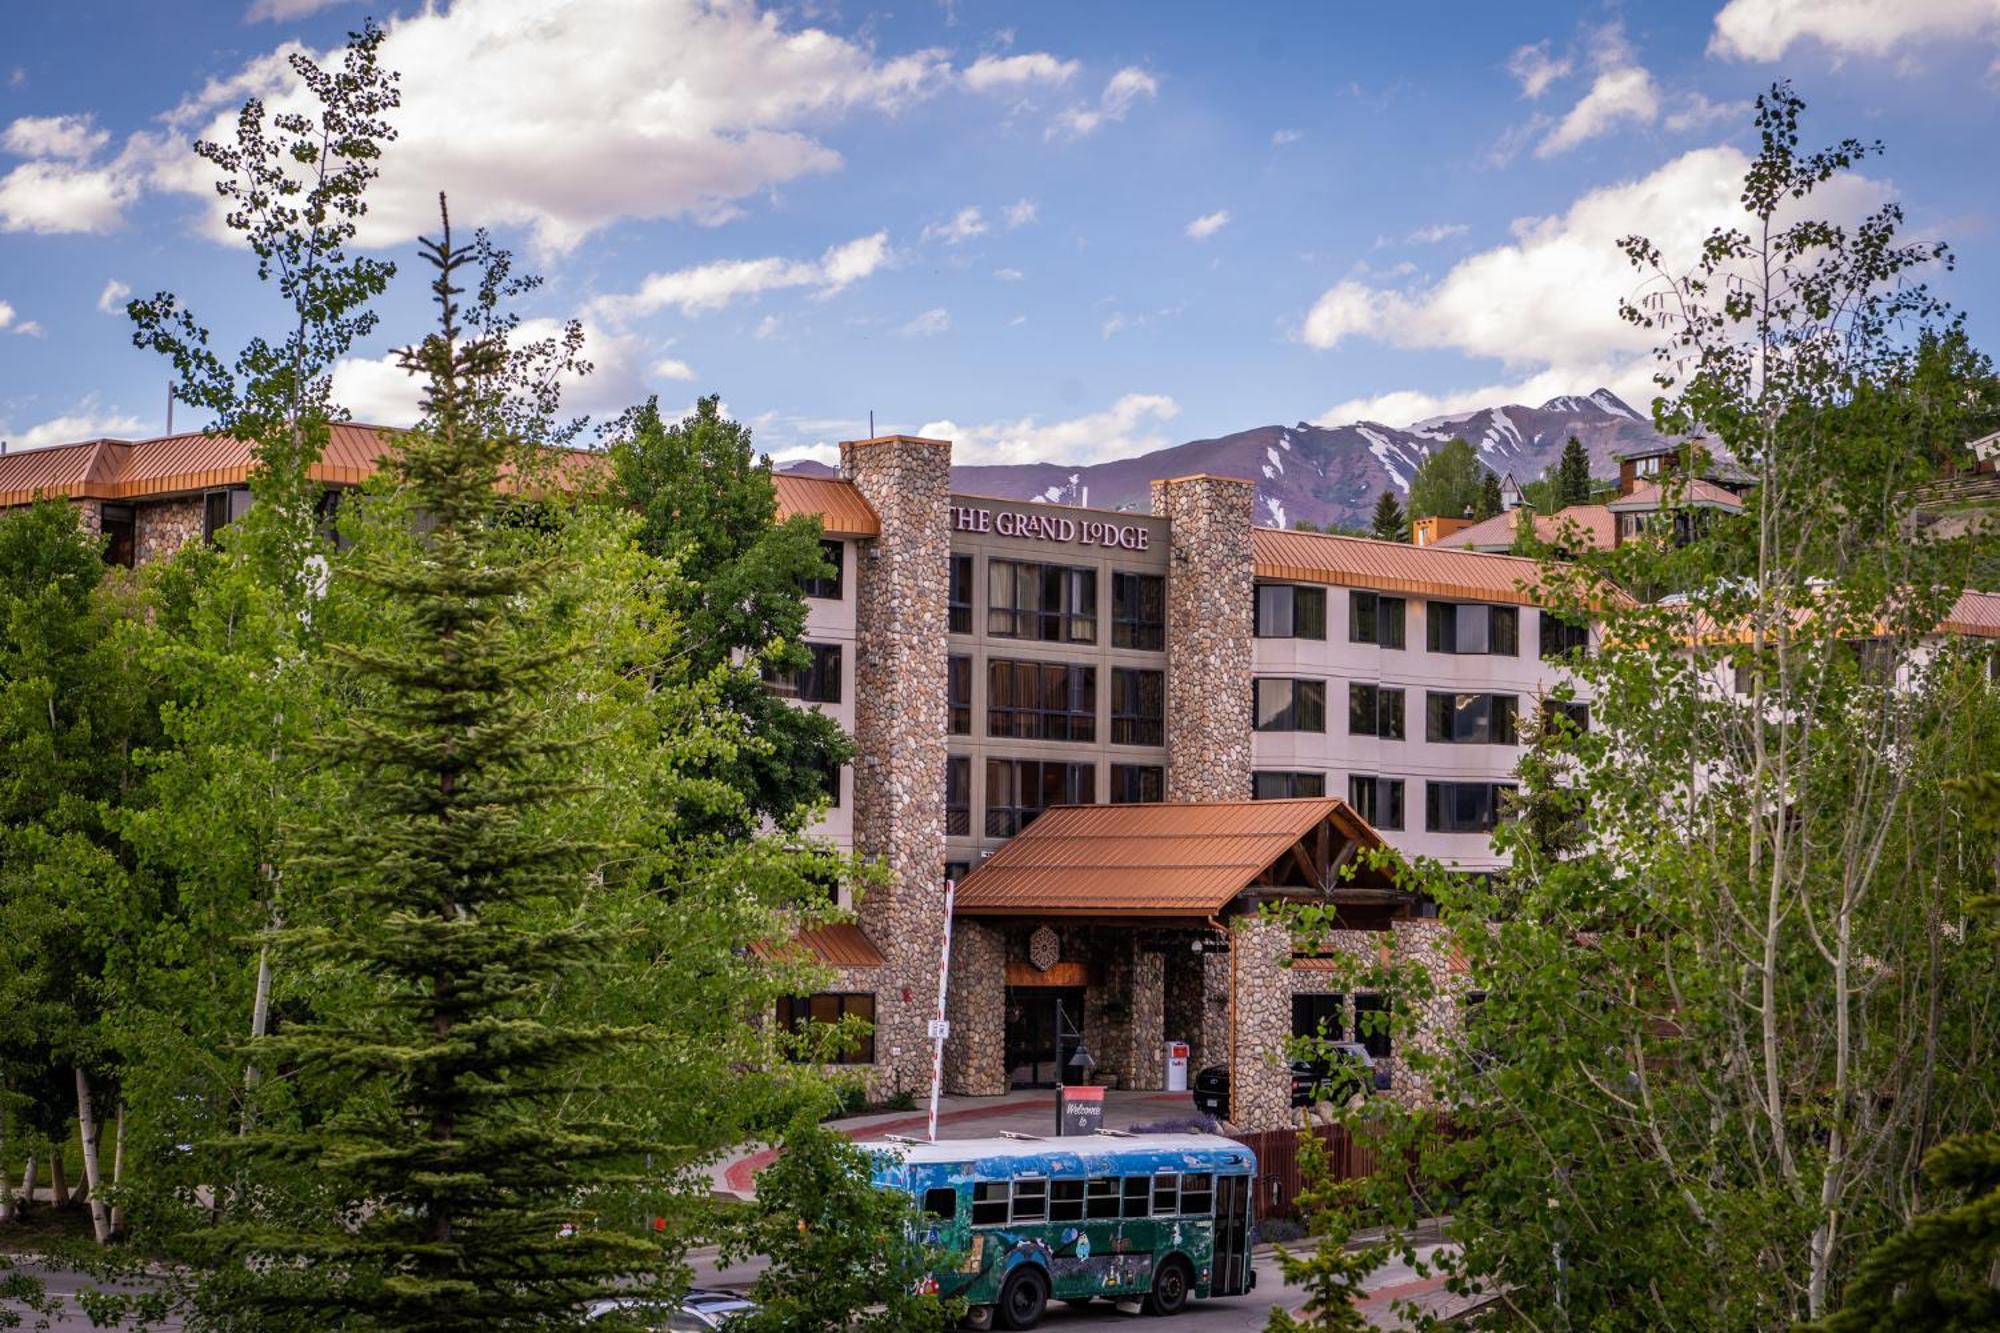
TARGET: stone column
(1108,1008)
(1149,1021)
(899,731)
(1209,592)
(1197,1006)
(1260,1084)
(975,1057)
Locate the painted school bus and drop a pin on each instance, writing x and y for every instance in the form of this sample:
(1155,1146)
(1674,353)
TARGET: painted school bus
(1158,1218)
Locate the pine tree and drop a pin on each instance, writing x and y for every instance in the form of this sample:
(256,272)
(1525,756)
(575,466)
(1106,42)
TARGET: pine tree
(1489,496)
(1390,523)
(455,1192)
(1573,475)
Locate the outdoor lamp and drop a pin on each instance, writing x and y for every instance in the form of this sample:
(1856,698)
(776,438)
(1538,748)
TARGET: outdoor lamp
(1083,1062)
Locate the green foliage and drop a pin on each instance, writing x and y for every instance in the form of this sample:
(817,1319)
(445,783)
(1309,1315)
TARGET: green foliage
(843,1254)
(1333,1276)
(1572,478)
(1489,497)
(1448,483)
(1389,523)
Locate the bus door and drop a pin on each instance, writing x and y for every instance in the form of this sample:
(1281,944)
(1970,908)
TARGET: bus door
(1232,1236)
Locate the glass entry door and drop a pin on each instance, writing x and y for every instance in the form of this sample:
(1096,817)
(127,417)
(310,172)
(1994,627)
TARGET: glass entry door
(1232,1236)
(1044,1028)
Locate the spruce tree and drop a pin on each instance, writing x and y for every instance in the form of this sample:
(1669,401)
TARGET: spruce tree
(1489,496)
(1390,523)
(1573,475)
(456,1190)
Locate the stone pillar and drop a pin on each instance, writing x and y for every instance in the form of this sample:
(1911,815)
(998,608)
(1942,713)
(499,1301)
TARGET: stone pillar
(1260,1084)
(1197,1006)
(899,730)
(1107,1008)
(163,527)
(90,516)
(975,1057)
(1149,1020)
(1209,595)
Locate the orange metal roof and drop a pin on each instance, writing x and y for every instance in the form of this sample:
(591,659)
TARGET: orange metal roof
(1427,571)
(1593,521)
(1975,613)
(1697,492)
(1176,859)
(843,511)
(842,944)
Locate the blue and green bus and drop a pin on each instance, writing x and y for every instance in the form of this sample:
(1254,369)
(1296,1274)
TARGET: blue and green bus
(1161,1219)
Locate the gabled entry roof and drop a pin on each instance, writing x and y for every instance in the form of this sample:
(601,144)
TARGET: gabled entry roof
(1173,860)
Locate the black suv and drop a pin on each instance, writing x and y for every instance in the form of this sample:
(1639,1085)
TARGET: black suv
(1351,1071)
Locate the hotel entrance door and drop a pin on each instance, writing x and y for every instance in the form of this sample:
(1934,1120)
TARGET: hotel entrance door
(1044,1028)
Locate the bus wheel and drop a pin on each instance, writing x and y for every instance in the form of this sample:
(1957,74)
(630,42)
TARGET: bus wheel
(1024,1298)
(1170,1288)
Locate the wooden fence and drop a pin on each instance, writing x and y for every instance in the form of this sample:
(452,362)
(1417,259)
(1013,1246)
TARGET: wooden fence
(1278,1178)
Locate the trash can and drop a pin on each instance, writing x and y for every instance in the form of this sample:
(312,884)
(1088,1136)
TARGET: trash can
(1177,1058)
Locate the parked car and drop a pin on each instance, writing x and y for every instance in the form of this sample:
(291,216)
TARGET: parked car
(699,1311)
(1352,1070)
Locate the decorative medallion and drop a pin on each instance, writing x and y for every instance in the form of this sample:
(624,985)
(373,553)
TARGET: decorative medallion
(1044,948)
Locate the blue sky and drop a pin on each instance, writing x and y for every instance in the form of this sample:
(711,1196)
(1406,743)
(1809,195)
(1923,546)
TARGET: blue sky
(1064,231)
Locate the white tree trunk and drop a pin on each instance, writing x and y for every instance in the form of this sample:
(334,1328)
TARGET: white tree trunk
(118,1173)
(87,1127)
(28,1183)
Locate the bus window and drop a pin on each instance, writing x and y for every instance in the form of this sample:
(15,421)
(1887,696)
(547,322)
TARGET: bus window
(1065,1201)
(1101,1198)
(1031,1200)
(1138,1196)
(989,1203)
(1197,1195)
(1166,1195)
(941,1203)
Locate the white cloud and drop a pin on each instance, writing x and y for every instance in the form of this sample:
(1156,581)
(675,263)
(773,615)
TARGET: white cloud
(6,315)
(1114,325)
(1009,274)
(1125,87)
(991,72)
(280,11)
(51,197)
(1766,29)
(672,369)
(112,299)
(1208,224)
(1437,231)
(1129,426)
(714,285)
(1620,94)
(72,138)
(929,324)
(1697,112)
(964,225)
(378,391)
(87,422)
(1021,212)
(768,328)
(1279,138)
(1536,68)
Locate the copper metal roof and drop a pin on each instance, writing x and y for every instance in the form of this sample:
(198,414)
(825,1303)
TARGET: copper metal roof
(843,511)
(842,944)
(1168,860)
(1593,521)
(1427,571)
(1975,613)
(1696,492)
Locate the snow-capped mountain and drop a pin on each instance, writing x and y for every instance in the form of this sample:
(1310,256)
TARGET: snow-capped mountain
(1327,474)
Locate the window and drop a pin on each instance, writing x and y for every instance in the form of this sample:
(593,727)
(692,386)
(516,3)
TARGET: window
(1065,1201)
(1557,711)
(1371,1023)
(958,692)
(1138,611)
(1041,701)
(989,1203)
(1017,790)
(1031,1201)
(1197,1195)
(1317,1016)
(1745,679)
(1287,611)
(1473,627)
(818,682)
(1100,1198)
(1377,800)
(1471,719)
(1138,707)
(1463,807)
(1373,618)
(795,1012)
(957,798)
(1052,603)
(1374,711)
(958,598)
(120,534)
(941,1204)
(1137,784)
(829,782)
(221,508)
(1282,704)
(1561,637)
(1167,1195)
(1138,1196)
(828,585)
(1270,785)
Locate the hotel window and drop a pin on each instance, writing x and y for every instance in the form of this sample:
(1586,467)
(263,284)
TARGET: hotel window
(1137,784)
(796,1012)
(1377,800)
(1138,611)
(829,782)
(956,871)
(1463,807)
(1373,618)
(1282,704)
(1052,603)
(958,597)
(1561,636)
(1555,711)
(1287,611)
(958,797)
(1138,707)
(1317,1016)
(958,690)
(120,534)
(1473,627)
(817,683)
(828,585)
(221,508)
(1017,790)
(1371,1023)
(1471,719)
(1374,711)
(1041,701)
(1271,785)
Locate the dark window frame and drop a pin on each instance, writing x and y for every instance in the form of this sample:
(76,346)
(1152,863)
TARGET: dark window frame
(832,552)
(1381,801)
(1289,611)
(848,1004)
(1071,588)
(958,595)
(1138,784)
(1449,625)
(958,694)
(958,796)
(1138,610)
(818,682)
(1378,618)
(1275,784)
(1560,637)
(1077,784)
(1380,1043)
(1454,719)
(1374,710)
(1041,700)
(1288,717)
(1132,689)
(1484,799)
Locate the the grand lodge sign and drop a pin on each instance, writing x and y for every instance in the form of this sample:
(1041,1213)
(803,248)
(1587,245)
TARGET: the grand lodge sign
(1052,528)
